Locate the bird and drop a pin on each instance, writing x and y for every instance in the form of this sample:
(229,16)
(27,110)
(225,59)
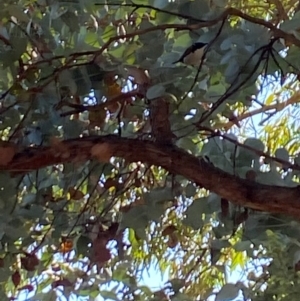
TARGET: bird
(193,54)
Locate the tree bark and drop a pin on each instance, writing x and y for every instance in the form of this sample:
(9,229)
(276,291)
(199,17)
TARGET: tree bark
(247,193)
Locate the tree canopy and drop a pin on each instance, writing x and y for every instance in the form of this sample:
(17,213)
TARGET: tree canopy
(114,160)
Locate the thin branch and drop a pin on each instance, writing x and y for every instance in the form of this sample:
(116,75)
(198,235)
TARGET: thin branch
(279,106)
(282,15)
(159,10)
(81,108)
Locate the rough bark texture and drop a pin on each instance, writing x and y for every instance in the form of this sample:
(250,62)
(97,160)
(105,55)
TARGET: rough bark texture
(242,192)
(159,119)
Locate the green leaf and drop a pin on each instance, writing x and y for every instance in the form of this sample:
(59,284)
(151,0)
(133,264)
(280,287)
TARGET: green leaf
(213,147)
(177,284)
(219,244)
(292,24)
(187,144)
(82,245)
(16,11)
(108,295)
(190,190)
(194,213)
(228,292)
(71,20)
(155,91)
(161,3)
(254,143)
(283,154)
(241,246)
(136,218)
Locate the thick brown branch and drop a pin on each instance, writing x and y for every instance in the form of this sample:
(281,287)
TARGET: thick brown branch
(242,192)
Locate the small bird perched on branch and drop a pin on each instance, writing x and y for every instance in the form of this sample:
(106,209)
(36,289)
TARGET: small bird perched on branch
(193,54)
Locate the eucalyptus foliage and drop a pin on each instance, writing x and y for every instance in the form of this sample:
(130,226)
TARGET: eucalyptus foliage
(80,220)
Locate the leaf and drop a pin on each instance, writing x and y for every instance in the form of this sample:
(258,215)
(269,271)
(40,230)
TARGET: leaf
(29,262)
(270,99)
(160,3)
(292,24)
(187,144)
(270,178)
(219,244)
(75,194)
(220,3)
(159,196)
(100,252)
(254,143)
(136,218)
(16,11)
(149,37)
(66,246)
(231,70)
(283,154)
(16,278)
(190,190)
(177,284)
(213,147)
(109,295)
(215,255)
(194,212)
(139,75)
(82,79)
(228,292)
(155,91)
(71,20)
(113,90)
(198,9)
(226,44)
(82,245)
(169,230)
(73,128)
(241,246)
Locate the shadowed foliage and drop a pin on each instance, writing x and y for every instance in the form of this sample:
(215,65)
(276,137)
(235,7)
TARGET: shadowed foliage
(115,162)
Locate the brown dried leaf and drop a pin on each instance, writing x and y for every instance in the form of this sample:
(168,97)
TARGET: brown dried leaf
(113,89)
(66,246)
(75,194)
(110,183)
(140,76)
(169,230)
(100,253)
(16,278)
(173,241)
(27,287)
(29,262)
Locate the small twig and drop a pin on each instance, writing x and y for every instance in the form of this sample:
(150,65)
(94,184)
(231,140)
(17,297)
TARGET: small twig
(101,106)
(277,107)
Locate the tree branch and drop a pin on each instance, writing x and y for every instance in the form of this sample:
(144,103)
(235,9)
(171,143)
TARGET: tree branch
(278,106)
(241,192)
